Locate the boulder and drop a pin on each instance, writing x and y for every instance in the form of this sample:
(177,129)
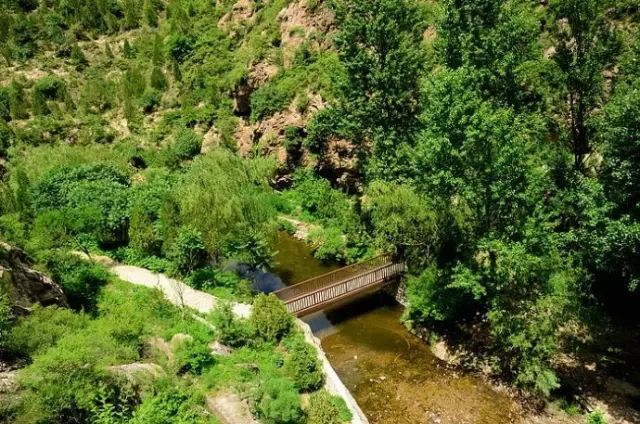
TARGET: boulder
(138,373)
(218,348)
(24,285)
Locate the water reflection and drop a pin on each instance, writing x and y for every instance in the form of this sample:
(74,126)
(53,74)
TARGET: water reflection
(394,376)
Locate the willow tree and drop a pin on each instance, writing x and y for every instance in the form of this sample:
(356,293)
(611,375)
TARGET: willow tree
(229,203)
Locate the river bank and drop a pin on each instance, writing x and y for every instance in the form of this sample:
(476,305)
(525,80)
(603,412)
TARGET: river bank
(399,377)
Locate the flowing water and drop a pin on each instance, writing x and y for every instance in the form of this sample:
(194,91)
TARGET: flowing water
(392,374)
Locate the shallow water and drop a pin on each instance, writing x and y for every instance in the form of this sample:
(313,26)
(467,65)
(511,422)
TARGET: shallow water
(294,261)
(392,374)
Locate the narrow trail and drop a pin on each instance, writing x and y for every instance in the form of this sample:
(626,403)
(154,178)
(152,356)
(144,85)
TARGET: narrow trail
(175,291)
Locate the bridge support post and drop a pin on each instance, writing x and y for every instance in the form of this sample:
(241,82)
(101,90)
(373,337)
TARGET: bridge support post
(398,290)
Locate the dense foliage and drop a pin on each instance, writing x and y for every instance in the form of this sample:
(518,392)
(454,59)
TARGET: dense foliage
(494,144)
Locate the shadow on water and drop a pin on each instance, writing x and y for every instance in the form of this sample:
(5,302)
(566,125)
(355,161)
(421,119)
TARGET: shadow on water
(392,374)
(294,262)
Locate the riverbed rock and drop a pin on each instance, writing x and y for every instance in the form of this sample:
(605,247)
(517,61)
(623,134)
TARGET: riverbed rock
(24,285)
(441,350)
(8,381)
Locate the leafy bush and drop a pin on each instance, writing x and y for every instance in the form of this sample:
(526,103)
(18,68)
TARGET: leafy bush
(5,104)
(278,402)
(330,243)
(270,318)
(323,410)
(274,96)
(222,284)
(186,144)
(170,405)
(179,47)
(193,356)
(187,250)
(63,384)
(596,417)
(6,317)
(157,80)
(302,364)
(232,331)
(42,328)
(48,88)
(80,279)
(91,199)
(51,87)
(12,229)
(320,201)
(6,137)
(150,100)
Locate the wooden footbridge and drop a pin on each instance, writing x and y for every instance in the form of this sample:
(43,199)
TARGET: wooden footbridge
(324,290)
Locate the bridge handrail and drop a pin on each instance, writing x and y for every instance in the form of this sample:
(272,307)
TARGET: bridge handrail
(324,280)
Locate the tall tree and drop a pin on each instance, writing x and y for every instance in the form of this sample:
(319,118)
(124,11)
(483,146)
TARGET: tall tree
(379,44)
(585,45)
(496,41)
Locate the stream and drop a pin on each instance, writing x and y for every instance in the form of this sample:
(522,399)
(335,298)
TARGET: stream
(392,374)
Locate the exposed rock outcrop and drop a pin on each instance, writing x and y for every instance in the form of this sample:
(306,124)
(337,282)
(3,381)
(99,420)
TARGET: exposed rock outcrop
(24,285)
(138,373)
(300,23)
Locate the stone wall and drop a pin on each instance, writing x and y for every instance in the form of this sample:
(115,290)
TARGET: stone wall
(398,291)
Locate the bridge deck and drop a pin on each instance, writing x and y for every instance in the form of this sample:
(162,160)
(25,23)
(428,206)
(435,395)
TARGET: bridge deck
(318,292)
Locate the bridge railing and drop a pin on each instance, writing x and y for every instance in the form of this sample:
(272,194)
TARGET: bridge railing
(325,280)
(314,300)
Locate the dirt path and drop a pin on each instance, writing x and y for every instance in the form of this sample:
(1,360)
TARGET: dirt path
(175,291)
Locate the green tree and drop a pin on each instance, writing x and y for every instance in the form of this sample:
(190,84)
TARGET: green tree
(586,44)
(403,221)
(379,45)
(496,42)
(227,196)
(188,252)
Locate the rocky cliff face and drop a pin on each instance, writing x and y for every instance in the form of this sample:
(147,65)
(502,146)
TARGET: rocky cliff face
(24,285)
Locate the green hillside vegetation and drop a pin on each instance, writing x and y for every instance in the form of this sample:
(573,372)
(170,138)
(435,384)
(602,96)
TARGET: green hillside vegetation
(494,144)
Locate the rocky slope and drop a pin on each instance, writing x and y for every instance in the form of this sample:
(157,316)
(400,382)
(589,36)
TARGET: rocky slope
(23,284)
